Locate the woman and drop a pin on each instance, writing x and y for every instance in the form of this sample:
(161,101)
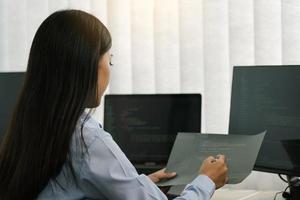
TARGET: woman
(53,149)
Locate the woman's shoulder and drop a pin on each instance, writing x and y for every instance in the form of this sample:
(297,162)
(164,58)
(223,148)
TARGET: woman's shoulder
(89,129)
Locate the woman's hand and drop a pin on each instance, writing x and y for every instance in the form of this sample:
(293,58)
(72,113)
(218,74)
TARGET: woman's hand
(161,174)
(216,169)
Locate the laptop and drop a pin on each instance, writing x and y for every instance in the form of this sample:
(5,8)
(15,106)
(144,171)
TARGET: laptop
(145,125)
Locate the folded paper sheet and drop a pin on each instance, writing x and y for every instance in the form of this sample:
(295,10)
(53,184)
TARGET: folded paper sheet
(190,149)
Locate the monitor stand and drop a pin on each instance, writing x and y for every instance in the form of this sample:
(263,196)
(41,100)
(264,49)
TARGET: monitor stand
(294,189)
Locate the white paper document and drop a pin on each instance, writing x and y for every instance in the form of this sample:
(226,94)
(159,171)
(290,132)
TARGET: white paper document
(190,149)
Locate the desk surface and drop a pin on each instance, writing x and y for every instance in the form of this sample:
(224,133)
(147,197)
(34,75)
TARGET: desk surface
(234,194)
(230,194)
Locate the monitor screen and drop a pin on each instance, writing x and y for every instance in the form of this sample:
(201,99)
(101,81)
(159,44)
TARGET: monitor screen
(268,98)
(145,126)
(10,86)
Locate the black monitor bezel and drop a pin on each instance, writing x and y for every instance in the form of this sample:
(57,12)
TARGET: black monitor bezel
(256,166)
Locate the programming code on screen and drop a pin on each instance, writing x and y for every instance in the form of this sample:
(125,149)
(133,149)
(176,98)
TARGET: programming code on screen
(145,126)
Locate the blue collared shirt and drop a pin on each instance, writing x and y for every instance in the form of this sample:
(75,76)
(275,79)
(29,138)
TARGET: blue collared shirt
(106,173)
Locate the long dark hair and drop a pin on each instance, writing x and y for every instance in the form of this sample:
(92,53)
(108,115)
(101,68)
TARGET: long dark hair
(60,83)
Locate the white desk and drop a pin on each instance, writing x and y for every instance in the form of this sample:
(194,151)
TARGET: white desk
(230,194)
(234,194)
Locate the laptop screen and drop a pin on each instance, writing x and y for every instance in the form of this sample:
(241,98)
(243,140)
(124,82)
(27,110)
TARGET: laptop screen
(145,126)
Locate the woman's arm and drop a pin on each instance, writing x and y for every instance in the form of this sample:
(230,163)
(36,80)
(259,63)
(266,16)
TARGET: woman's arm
(110,173)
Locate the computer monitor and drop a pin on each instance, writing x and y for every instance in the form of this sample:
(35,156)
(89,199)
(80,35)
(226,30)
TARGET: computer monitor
(10,86)
(145,126)
(268,98)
